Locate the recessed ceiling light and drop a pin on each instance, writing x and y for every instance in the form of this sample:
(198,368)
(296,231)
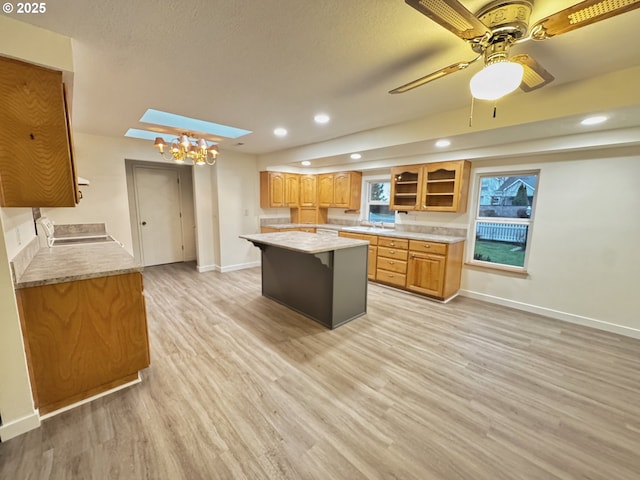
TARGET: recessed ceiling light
(321,118)
(305,163)
(280,132)
(356,156)
(443,143)
(595,120)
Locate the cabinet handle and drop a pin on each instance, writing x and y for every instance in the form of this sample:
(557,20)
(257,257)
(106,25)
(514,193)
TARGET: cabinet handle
(427,246)
(392,251)
(390,262)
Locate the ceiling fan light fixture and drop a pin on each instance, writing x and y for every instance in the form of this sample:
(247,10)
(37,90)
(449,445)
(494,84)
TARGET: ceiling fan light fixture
(496,80)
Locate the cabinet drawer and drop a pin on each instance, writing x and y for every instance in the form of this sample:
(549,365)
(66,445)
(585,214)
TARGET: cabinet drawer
(392,253)
(391,278)
(372,239)
(401,243)
(428,247)
(391,265)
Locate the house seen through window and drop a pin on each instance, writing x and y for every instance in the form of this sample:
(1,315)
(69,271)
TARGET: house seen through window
(504,219)
(377,208)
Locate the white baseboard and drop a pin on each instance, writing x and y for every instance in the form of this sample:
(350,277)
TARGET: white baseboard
(19,426)
(240,266)
(556,314)
(207,268)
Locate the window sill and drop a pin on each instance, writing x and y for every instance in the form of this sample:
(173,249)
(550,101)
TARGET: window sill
(516,271)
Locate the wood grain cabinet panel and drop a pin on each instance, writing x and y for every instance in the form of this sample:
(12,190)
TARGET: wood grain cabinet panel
(308,190)
(272,190)
(36,156)
(84,337)
(434,269)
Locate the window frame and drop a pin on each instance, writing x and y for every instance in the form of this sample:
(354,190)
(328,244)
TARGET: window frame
(367,183)
(476,218)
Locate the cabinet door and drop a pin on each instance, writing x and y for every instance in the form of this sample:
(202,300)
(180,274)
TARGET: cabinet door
(292,189)
(308,191)
(325,190)
(341,189)
(445,186)
(36,164)
(425,273)
(405,188)
(84,336)
(373,260)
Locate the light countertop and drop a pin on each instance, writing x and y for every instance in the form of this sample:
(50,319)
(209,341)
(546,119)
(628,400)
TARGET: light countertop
(304,242)
(77,262)
(382,232)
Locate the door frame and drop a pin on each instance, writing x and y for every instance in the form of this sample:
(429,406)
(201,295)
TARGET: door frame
(134,196)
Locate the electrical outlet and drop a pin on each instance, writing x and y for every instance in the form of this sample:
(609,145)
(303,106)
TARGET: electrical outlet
(18,238)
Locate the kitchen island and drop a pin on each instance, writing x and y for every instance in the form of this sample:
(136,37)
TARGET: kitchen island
(322,277)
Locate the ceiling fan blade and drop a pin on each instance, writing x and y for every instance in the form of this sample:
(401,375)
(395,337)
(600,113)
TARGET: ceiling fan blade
(453,16)
(434,76)
(580,15)
(535,76)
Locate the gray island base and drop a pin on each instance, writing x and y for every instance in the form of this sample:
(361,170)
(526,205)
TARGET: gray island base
(321,277)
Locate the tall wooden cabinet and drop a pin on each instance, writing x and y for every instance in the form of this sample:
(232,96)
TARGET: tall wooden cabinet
(36,157)
(431,187)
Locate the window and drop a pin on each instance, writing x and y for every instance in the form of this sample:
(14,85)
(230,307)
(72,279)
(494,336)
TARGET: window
(377,206)
(504,219)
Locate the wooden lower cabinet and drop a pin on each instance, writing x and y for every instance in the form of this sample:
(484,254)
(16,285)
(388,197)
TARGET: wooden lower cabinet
(427,268)
(434,268)
(83,337)
(373,250)
(392,261)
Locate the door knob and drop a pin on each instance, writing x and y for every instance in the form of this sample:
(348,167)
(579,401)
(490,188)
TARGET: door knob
(144,223)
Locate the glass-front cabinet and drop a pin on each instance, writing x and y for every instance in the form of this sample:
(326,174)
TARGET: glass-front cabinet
(431,187)
(405,187)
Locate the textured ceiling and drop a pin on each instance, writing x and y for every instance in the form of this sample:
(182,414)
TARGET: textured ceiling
(258,65)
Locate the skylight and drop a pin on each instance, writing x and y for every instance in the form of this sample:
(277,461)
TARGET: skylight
(191,124)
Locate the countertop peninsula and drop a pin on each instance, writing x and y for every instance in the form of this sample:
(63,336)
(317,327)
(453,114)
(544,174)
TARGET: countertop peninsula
(68,263)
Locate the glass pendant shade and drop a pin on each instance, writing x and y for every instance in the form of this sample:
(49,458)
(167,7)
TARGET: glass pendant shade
(496,80)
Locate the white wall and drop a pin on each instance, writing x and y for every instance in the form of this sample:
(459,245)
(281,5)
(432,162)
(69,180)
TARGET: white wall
(238,200)
(584,257)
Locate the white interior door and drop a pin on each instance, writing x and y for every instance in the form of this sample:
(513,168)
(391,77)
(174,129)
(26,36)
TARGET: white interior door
(159,223)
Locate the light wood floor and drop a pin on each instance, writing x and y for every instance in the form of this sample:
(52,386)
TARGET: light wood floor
(241,387)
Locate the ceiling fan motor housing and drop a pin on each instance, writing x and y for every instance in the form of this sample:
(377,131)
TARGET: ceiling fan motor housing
(508,21)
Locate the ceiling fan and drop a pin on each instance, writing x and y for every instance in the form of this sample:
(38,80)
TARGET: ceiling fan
(498,26)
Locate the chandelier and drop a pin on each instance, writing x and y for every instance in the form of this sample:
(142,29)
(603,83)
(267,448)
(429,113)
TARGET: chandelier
(182,148)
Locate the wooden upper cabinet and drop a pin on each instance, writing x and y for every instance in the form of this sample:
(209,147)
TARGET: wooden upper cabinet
(340,190)
(272,190)
(325,190)
(292,189)
(431,187)
(346,190)
(405,187)
(308,190)
(36,158)
(445,186)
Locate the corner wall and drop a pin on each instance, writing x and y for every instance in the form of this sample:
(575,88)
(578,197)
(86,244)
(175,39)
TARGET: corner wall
(584,257)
